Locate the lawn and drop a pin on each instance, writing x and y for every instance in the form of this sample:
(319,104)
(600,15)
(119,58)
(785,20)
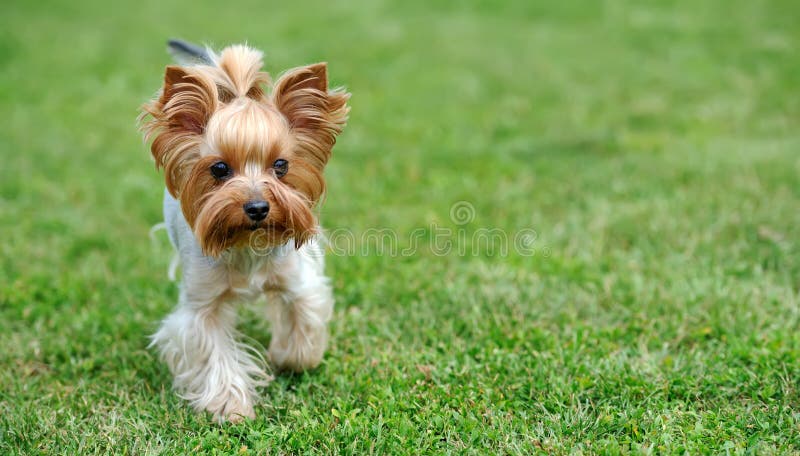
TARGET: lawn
(648,151)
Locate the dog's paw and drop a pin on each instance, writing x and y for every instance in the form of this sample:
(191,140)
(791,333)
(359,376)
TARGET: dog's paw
(297,354)
(234,412)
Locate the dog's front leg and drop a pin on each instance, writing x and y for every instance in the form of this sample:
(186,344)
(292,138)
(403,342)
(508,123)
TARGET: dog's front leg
(300,303)
(211,369)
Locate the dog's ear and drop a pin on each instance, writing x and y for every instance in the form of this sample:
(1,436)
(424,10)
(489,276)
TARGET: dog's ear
(187,99)
(178,118)
(316,115)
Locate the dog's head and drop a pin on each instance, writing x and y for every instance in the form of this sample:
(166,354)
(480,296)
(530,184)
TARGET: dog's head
(241,155)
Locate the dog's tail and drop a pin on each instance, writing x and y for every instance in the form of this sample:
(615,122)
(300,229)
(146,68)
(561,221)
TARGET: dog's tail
(187,53)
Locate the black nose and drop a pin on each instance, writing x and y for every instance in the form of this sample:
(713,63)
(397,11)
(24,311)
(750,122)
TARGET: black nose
(256,210)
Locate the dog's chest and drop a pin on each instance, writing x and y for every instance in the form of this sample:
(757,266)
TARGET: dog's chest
(248,273)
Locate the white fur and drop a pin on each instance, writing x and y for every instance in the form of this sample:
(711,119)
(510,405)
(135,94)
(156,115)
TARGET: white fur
(213,369)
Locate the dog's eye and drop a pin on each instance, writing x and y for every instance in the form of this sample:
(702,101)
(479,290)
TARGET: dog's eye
(281,167)
(220,170)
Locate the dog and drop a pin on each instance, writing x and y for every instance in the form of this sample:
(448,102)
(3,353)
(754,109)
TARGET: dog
(243,163)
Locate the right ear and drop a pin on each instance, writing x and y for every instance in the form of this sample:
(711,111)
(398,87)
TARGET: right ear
(178,119)
(316,115)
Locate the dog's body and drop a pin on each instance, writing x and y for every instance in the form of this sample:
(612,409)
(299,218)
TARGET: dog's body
(244,169)
(213,370)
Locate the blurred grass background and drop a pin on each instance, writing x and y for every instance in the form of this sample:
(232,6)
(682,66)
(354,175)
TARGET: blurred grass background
(652,146)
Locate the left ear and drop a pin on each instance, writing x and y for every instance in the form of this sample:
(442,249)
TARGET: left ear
(317,115)
(177,119)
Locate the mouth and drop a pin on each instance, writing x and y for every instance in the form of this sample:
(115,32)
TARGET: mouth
(269,226)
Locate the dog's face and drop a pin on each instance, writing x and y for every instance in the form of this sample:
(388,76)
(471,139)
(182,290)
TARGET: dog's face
(240,159)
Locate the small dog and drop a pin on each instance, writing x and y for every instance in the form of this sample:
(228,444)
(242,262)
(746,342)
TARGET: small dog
(243,166)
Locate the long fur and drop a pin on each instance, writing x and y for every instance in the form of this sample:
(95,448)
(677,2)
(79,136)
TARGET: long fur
(222,108)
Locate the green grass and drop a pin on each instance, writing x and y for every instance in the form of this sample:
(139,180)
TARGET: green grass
(652,146)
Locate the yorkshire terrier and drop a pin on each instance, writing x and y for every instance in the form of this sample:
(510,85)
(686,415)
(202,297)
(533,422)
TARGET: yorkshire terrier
(243,162)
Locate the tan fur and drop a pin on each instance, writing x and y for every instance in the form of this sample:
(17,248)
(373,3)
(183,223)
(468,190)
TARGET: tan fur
(208,113)
(227,111)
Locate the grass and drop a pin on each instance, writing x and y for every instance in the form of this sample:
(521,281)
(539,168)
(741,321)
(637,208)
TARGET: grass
(651,146)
